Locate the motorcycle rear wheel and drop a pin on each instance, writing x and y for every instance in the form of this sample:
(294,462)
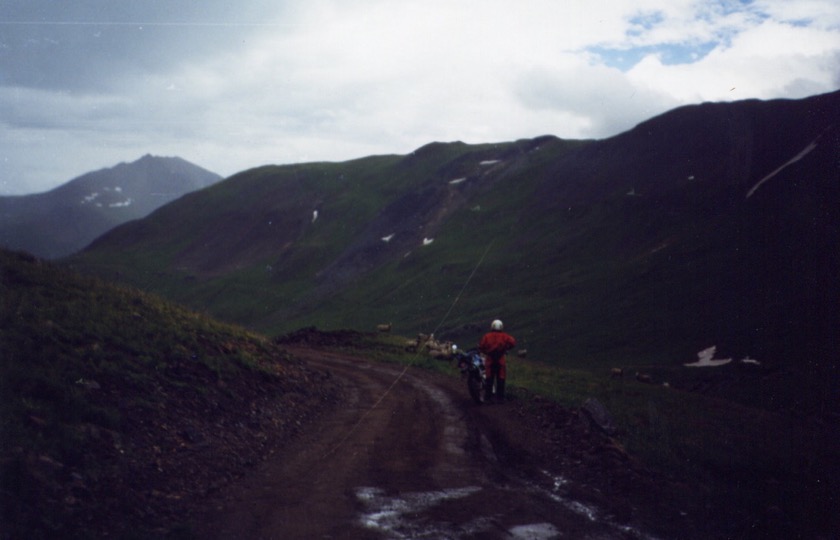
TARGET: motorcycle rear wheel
(476,386)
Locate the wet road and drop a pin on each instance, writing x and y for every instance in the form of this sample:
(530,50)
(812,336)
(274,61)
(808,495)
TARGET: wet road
(407,456)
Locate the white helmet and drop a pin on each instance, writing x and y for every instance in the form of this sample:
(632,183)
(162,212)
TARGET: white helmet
(497,325)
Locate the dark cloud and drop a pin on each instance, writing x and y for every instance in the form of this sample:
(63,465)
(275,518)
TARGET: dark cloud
(84,45)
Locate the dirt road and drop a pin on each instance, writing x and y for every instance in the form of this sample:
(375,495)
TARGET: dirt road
(408,455)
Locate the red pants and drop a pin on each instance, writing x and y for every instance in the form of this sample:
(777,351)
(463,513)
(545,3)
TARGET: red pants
(495,367)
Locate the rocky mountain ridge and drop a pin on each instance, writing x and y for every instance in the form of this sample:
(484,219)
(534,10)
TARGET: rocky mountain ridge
(65,219)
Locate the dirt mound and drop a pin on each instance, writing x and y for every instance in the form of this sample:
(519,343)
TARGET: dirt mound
(312,337)
(535,435)
(539,435)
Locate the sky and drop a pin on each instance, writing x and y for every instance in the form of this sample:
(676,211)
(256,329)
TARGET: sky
(229,86)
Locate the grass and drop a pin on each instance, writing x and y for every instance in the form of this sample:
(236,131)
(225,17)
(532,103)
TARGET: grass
(84,366)
(61,330)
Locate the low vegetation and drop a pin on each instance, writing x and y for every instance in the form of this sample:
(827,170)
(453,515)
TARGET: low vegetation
(119,407)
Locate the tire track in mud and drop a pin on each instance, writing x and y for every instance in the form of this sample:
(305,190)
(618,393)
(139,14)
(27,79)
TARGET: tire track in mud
(405,456)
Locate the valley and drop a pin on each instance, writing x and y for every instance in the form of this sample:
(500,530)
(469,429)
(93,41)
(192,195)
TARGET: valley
(708,225)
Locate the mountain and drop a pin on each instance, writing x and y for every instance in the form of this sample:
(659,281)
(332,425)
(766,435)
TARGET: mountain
(67,218)
(710,225)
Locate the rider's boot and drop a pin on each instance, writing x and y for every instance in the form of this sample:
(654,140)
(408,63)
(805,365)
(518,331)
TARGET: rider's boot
(500,391)
(488,390)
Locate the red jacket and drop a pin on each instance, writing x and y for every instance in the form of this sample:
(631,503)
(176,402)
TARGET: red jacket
(495,344)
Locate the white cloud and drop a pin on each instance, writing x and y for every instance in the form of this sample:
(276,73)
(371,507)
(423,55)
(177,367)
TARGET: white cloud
(766,61)
(820,14)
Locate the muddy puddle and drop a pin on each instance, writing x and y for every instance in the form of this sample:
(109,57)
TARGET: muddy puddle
(413,515)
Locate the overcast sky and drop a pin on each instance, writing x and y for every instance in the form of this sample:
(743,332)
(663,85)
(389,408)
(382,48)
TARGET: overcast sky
(86,84)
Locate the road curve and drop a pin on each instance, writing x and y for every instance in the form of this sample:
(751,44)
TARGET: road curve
(406,456)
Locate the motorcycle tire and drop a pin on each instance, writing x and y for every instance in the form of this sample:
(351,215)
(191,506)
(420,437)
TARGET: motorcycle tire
(476,388)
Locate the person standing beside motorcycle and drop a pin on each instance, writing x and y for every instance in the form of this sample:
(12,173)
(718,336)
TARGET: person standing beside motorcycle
(494,344)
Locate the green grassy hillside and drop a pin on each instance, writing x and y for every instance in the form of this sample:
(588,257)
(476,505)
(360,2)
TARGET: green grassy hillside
(119,407)
(637,251)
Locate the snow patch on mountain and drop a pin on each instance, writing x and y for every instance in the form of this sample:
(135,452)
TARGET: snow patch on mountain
(121,204)
(706,359)
(793,160)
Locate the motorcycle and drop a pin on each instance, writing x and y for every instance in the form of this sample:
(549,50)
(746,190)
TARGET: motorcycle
(471,365)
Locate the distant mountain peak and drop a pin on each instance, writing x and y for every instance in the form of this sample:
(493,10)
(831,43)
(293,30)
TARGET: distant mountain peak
(67,218)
